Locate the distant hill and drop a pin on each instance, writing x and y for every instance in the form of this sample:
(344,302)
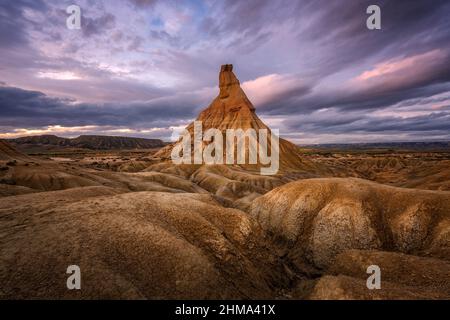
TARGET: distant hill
(8,153)
(92,142)
(410,146)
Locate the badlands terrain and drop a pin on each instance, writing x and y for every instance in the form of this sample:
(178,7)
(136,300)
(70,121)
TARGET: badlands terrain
(141,227)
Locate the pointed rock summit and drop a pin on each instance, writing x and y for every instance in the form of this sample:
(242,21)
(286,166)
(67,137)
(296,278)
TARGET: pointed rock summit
(227,81)
(232,109)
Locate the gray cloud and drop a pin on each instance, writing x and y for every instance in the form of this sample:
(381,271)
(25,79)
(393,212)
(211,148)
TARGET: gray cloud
(93,26)
(13,21)
(23,109)
(143,3)
(429,78)
(333,121)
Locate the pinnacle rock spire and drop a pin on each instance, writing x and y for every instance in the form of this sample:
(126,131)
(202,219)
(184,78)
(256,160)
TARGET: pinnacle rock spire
(232,109)
(227,80)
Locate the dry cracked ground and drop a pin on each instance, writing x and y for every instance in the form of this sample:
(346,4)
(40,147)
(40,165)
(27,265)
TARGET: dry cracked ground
(146,229)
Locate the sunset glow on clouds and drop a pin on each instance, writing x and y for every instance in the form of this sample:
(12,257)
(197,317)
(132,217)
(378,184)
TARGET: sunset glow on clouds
(72,132)
(265,89)
(405,70)
(142,68)
(58,75)
(404,65)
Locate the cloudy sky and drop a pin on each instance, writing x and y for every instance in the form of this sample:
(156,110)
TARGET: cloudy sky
(144,67)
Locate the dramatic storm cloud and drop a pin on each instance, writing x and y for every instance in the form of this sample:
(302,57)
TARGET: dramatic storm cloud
(144,67)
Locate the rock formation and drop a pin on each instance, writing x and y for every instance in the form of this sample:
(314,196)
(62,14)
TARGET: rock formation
(232,109)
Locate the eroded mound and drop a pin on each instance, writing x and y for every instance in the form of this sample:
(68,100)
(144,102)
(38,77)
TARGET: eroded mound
(232,185)
(136,245)
(421,170)
(26,177)
(316,219)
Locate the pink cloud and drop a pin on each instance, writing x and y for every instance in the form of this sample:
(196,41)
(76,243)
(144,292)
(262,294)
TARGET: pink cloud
(75,131)
(269,88)
(400,71)
(440,106)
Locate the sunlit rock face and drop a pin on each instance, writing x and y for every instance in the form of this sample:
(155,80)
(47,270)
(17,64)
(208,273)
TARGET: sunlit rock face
(232,109)
(227,81)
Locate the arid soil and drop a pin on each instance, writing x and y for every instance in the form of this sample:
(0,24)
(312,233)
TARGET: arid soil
(141,227)
(149,229)
(410,169)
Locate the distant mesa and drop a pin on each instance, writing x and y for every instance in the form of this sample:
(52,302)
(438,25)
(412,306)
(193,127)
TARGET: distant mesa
(93,142)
